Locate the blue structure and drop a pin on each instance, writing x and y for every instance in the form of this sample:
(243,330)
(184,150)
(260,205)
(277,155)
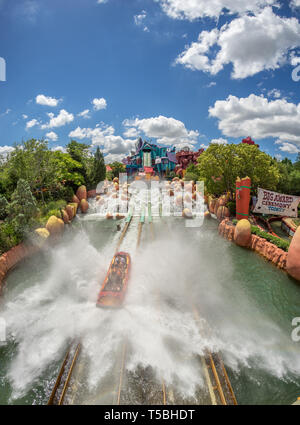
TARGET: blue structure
(150,159)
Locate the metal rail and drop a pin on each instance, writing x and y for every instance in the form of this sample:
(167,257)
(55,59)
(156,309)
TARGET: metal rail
(219,386)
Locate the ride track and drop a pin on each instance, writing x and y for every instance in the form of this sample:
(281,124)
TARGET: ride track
(217,380)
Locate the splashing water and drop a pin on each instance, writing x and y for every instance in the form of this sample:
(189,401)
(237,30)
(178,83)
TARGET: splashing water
(169,275)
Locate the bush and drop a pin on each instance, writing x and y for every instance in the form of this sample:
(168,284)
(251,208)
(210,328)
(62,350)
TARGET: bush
(231,205)
(281,243)
(8,237)
(190,176)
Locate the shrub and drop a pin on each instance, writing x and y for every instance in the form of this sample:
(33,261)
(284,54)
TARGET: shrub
(231,205)
(8,237)
(281,243)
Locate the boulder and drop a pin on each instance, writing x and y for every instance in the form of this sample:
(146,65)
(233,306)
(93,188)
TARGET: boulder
(55,226)
(75,207)
(222,213)
(109,216)
(84,205)
(187,213)
(42,232)
(81,193)
(211,205)
(293,256)
(65,216)
(242,233)
(70,211)
(75,199)
(91,193)
(207,215)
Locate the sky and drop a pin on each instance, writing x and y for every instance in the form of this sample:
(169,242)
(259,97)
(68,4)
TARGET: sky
(175,72)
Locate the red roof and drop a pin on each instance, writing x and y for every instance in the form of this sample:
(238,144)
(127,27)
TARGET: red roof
(148,169)
(108,168)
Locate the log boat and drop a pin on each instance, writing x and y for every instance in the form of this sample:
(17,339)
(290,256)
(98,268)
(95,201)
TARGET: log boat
(114,286)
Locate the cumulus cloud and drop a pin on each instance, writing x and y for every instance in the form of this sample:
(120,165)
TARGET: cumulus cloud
(52,136)
(131,133)
(60,120)
(59,148)
(287,147)
(102,1)
(251,43)
(99,103)
(167,131)
(31,123)
(219,141)
(84,114)
(259,117)
(5,150)
(24,116)
(195,9)
(104,136)
(275,93)
(41,99)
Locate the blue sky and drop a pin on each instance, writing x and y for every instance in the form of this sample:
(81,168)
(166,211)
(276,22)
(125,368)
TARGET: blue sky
(180,72)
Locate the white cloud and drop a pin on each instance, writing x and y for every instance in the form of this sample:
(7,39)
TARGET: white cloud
(99,103)
(219,141)
(52,136)
(59,148)
(211,84)
(194,9)
(84,114)
(24,116)
(46,100)
(31,123)
(295,3)
(7,111)
(112,157)
(102,1)
(61,119)
(251,43)
(275,93)
(258,117)
(140,19)
(5,150)
(104,136)
(131,133)
(167,131)
(289,148)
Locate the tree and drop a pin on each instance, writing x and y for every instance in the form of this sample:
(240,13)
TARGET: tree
(3,207)
(98,169)
(80,152)
(22,208)
(117,168)
(220,165)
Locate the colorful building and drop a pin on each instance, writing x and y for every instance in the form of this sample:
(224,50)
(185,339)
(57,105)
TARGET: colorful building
(150,159)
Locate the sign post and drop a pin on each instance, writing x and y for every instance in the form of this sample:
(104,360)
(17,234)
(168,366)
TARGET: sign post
(274,203)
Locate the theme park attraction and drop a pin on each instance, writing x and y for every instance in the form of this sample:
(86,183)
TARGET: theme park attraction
(115,283)
(150,159)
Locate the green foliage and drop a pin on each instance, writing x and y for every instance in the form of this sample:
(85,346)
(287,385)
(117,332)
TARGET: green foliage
(3,207)
(98,169)
(231,205)
(80,153)
(220,165)
(109,175)
(281,243)
(117,168)
(51,208)
(191,176)
(8,237)
(22,208)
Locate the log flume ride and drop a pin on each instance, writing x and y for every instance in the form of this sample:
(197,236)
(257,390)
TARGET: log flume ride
(115,284)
